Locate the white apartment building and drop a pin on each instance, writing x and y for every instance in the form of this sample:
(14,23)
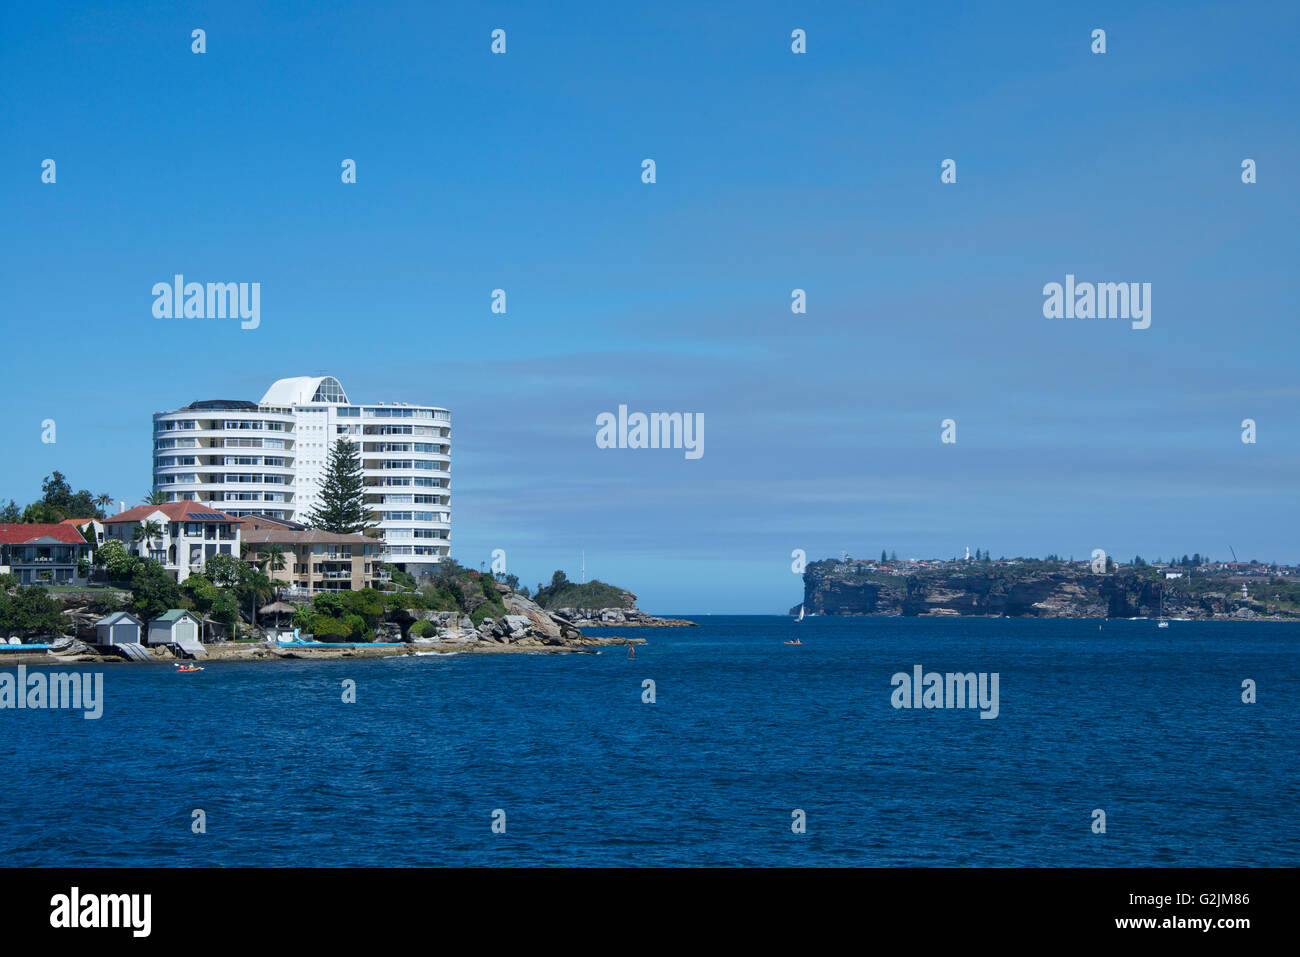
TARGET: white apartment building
(270,457)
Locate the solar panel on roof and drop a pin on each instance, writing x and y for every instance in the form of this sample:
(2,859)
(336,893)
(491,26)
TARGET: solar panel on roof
(212,516)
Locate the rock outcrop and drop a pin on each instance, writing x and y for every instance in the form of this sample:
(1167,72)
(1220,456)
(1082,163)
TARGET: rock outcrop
(619,617)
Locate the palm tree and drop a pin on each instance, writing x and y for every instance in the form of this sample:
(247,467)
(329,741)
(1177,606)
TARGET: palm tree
(272,561)
(155,498)
(146,532)
(103,503)
(259,587)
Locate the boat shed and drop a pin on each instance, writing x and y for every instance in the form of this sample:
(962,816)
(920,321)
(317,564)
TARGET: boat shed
(119,628)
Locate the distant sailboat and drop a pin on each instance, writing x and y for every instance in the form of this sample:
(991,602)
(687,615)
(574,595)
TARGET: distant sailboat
(800,618)
(1163,622)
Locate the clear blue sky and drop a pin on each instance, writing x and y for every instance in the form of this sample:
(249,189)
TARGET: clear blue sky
(775,171)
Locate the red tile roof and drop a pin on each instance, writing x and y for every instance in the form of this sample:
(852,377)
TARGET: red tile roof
(25,534)
(176,511)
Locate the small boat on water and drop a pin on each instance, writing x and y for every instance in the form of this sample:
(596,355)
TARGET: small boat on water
(188,668)
(1162,623)
(800,618)
(795,642)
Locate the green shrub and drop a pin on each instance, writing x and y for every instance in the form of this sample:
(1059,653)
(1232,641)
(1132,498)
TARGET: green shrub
(329,629)
(489,609)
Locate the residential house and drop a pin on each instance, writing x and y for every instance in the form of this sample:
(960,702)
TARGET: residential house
(191,533)
(43,554)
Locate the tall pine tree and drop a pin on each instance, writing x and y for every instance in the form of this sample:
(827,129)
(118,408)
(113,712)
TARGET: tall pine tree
(341,507)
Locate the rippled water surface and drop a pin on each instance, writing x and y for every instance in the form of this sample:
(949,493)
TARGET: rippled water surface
(1146,724)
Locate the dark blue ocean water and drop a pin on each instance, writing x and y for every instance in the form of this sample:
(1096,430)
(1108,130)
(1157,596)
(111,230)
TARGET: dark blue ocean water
(1146,724)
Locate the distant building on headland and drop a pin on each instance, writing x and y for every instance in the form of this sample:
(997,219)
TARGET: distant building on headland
(269,458)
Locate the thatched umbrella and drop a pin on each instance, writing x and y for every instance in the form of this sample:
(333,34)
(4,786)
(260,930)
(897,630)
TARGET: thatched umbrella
(277,608)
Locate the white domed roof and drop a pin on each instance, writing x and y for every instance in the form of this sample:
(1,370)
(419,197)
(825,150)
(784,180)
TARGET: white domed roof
(304,390)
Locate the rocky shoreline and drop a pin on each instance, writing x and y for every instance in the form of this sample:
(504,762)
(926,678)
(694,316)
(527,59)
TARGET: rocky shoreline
(526,628)
(618,618)
(265,651)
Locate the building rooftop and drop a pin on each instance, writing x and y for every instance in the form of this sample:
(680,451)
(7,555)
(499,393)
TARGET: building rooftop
(268,535)
(175,614)
(34,534)
(217,405)
(257,520)
(301,390)
(186,511)
(117,616)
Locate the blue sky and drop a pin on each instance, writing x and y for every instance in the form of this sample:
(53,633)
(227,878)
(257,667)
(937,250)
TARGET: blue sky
(775,171)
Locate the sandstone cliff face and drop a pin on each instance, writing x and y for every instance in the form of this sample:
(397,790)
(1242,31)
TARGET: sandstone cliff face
(834,589)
